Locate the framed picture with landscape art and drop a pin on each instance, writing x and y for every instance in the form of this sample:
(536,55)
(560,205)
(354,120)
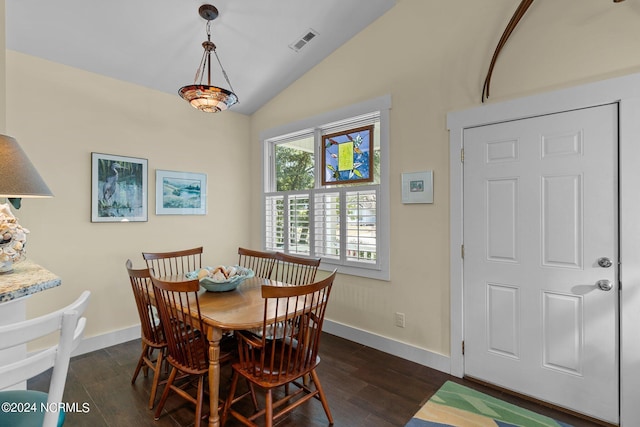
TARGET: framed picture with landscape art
(347,156)
(118,188)
(181,193)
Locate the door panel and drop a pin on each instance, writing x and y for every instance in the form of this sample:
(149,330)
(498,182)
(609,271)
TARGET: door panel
(540,208)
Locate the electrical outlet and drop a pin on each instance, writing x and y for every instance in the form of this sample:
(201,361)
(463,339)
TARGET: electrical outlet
(400,320)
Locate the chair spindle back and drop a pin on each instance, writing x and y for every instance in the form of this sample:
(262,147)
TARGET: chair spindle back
(149,317)
(176,263)
(187,346)
(295,270)
(290,341)
(260,262)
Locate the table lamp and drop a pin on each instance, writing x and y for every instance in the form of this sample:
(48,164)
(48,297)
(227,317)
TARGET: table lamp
(18,179)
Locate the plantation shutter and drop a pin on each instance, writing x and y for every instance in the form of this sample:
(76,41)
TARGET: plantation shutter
(361,225)
(299,227)
(327,225)
(274,223)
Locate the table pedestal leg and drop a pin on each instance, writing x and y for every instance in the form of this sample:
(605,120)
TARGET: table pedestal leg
(214,335)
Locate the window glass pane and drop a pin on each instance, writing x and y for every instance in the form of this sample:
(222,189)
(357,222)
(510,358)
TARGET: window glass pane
(274,223)
(327,225)
(294,164)
(299,224)
(361,226)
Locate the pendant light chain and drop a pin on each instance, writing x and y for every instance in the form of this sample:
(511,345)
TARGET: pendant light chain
(200,70)
(224,73)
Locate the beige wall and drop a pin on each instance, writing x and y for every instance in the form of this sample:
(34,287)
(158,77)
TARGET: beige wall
(60,115)
(3,83)
(432,58)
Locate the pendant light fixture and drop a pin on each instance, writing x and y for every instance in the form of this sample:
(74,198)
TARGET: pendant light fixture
(207,98)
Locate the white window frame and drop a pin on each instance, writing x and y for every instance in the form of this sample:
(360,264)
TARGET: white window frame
(382,105)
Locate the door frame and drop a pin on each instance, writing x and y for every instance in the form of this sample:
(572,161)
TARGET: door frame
(625,91)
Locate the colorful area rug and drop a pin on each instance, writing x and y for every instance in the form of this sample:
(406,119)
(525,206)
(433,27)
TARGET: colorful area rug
(459,406)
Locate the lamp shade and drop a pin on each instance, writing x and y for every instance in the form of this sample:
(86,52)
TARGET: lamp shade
(18,177)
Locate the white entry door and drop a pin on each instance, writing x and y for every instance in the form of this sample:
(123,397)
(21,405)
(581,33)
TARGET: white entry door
(541,258)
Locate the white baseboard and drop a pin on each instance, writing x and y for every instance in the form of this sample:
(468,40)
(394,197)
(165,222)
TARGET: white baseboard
(89,344)
(387,345)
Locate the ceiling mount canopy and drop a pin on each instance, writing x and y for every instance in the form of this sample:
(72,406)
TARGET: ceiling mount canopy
(205,97)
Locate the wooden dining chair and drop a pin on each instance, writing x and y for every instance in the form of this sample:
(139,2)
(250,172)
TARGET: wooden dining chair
(187,346)
(152,335)
(286,351)
(259,261)
(294,270)
(176,263)
(69,324)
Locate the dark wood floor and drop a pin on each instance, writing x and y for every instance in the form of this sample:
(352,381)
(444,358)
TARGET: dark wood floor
(365,387)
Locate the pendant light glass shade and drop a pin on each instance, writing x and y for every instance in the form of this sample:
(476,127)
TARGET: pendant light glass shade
(209,99)
(206,97)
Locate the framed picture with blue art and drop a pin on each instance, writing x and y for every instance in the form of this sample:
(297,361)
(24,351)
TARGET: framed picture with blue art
(181,193)
(118,188)
(347,156)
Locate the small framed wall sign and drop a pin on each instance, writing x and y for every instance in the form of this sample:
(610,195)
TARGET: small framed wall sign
(417,187)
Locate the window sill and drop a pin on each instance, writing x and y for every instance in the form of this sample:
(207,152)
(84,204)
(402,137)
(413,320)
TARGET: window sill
(369,273)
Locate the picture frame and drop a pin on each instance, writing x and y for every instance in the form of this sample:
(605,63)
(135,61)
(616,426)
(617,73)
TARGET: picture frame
(118,188)
(347,156)
(181,193)
(417,187)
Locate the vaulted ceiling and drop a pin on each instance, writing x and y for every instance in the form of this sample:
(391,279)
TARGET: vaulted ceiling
(157,44)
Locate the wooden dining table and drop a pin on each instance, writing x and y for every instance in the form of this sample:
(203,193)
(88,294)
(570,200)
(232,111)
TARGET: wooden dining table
(242,308)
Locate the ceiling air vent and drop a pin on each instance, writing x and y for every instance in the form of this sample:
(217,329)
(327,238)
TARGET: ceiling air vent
(302,42)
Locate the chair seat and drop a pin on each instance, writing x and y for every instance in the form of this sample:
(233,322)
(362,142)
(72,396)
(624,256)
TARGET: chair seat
(26,410)
(274,331)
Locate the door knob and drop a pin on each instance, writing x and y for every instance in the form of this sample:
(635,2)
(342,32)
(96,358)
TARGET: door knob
(604,284)
(604,262)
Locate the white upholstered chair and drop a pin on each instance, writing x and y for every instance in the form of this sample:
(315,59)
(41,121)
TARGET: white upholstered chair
(70,324)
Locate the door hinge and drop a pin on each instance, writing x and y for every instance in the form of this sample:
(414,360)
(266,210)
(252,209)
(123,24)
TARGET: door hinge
(462,155)
(463,348)
(462,251)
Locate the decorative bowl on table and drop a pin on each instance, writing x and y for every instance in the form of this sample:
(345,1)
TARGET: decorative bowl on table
(221,278)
